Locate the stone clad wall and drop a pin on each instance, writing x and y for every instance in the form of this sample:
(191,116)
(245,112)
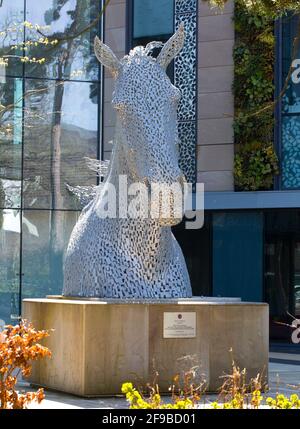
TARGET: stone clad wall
(115,38)
(215,100)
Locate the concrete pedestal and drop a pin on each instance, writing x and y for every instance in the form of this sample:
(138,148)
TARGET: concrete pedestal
(99,344)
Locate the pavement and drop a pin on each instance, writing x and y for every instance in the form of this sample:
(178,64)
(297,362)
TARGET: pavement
(284,377)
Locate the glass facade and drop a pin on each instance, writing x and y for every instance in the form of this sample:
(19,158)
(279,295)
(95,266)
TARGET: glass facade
(10,225)
(44,240)
(52,121)
(55,144)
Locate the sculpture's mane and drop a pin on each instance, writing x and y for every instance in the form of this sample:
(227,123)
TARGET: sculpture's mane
(142,52)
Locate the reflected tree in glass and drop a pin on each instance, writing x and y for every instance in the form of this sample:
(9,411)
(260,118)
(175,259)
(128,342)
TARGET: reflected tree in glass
(42,262)
(9,264)
(73,23)
(11,33)
(10,142)
(70,59)
(78,137)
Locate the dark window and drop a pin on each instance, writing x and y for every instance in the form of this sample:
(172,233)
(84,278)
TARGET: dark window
(196,247)
(238,255)
(151,20)
(282,270)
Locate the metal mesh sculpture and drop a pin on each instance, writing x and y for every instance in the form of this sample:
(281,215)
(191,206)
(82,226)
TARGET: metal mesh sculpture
(126,257)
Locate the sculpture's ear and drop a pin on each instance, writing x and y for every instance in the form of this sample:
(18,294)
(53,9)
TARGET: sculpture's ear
(106,56)
(172,47)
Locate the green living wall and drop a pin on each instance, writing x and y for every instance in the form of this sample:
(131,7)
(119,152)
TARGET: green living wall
(255,161)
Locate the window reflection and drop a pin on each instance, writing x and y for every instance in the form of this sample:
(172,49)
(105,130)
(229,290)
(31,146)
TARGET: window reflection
(55,116)
(11,17)
(45,238)
(291,98)
(72,58)
(60,130)
(296,279)
(9,264)
(10,142)
(282,270)
(290,110)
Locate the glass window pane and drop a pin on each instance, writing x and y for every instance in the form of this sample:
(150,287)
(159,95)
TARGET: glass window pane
(296,278)
(11,34)
(61,128)
(195,244)
(45,238)
(9,265)
(291,98)
(238,255)
(290,162)
(282,270)
(152,18)
(11,142)
(291,108)
(72,58)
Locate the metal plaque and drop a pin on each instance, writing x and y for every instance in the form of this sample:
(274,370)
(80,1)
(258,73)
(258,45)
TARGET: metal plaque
(179,325)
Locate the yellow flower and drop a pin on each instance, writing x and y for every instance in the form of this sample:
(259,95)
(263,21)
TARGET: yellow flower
(294,398)
(126,387)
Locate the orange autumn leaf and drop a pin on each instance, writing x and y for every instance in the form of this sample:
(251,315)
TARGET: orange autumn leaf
(19,347)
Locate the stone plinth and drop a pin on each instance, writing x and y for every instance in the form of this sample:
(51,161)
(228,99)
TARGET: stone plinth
(99,344)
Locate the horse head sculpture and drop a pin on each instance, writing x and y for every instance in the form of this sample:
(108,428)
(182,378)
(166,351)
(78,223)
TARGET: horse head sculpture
(134,258)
